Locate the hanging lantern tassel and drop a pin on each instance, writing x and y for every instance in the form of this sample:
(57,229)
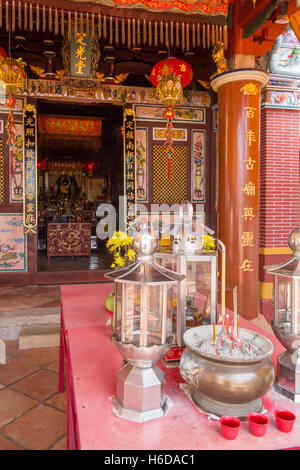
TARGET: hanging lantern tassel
(10,125)
(170,76)
(169,114)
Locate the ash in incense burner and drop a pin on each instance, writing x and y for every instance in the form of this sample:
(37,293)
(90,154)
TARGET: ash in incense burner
(227,375)
(225,345)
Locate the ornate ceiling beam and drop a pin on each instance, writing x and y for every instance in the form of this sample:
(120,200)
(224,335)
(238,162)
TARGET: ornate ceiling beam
(295,23)
(114,30)
(248,12)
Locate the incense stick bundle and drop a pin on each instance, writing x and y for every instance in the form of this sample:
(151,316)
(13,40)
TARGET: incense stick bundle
(87,23)
(123,31)
(110,30)
(56,21)
(37,18)
(116,31)
(150,33)
(62,23)
(99,26)
(13,16)
(50,20)
(144,32)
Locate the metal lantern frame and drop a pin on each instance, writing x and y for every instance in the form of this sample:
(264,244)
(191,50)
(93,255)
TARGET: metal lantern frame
(181,261)
(142,331)
(286,319)
(187,248)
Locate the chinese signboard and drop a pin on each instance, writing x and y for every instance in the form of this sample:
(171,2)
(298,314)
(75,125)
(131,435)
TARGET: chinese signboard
(249,190)
(81,45)
(30,214)
(129,166)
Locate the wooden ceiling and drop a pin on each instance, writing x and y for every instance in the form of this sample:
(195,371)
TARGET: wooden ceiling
(137,60)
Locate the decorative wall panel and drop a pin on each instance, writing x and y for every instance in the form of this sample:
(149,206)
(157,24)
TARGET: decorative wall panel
(12,243)
(198,165)
(1,171)
(142,164)
(175,189)
(16,165)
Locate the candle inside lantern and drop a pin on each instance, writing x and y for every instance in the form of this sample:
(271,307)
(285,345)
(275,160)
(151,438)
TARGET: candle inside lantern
(235,311)
(237,326)
(214,331)
(223,284)
(227,323)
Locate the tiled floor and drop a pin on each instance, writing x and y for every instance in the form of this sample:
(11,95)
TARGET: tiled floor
(32,413)
(29,297)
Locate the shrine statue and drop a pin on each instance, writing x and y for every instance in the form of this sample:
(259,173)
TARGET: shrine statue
(66,186)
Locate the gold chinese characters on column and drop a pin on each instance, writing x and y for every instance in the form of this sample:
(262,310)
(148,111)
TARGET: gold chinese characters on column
(30,213)
(249,189)
(129,129)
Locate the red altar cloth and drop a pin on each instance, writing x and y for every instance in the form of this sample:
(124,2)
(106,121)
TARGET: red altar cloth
(94,364)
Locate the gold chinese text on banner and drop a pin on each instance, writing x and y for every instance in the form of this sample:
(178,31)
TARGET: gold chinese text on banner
(129,166)
(30,169)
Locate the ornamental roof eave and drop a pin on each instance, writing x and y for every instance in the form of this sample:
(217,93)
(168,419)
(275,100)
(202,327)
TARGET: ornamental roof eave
(206,11)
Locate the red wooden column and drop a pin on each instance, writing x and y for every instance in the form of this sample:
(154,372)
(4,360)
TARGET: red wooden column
(238,205)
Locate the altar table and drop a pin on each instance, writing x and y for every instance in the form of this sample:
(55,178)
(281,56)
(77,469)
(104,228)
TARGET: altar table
(68,239)
(93,363)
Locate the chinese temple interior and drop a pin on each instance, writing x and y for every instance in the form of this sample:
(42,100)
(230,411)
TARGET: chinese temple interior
(77,171)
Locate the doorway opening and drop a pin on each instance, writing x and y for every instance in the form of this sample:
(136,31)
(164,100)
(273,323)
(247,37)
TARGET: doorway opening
(80,165)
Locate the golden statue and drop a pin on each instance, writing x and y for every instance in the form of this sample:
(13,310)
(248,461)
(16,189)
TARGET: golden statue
(221,62)
(41,73)
(219,59)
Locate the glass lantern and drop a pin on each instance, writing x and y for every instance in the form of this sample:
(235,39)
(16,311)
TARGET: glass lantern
(286,319)
(196,295)
(142,330)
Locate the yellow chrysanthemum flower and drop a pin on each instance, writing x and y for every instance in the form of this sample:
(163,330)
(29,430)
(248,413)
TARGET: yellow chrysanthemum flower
(208,242)
(130,254)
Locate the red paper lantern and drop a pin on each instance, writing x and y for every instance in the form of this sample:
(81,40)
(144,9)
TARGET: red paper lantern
(170,76)
(172,66)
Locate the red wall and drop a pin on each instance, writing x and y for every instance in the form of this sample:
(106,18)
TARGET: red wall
(279,186)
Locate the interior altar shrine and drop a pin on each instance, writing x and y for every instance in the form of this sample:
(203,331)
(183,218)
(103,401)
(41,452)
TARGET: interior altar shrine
(85,73)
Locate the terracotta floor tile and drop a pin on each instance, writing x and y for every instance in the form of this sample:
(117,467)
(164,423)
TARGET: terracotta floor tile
(40,385)
(53,366)
(13,404)
(10,303)
(6,444)
(38,429)
(58,401)
(40,356)
(6,290)
(16,303)
(52,303)
(60,445)
(52,292)
(12,347)
(27,302)
(14,370)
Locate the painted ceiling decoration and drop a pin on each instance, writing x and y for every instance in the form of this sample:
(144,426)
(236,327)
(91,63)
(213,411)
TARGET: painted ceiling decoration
(203,11)
(55,18)
(208,7)
(285,55)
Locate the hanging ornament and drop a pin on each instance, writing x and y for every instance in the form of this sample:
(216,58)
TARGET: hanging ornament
(170,76)
(12,76)
(10,124)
